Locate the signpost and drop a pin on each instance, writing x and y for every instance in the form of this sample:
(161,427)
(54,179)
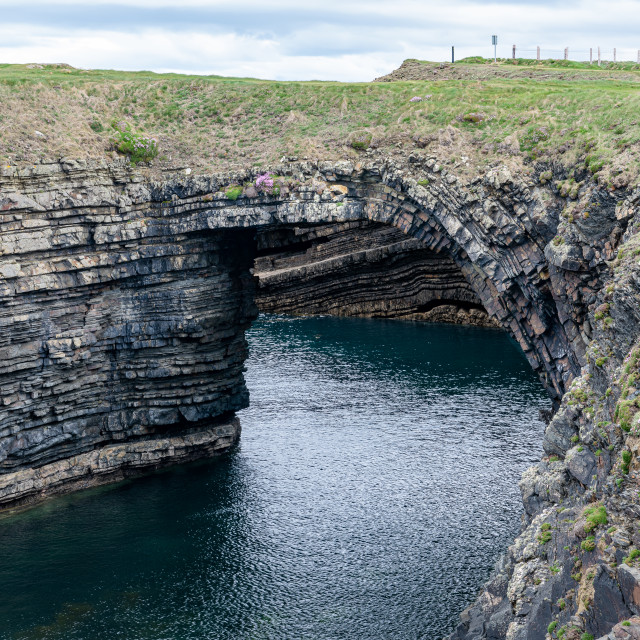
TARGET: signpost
(494,42)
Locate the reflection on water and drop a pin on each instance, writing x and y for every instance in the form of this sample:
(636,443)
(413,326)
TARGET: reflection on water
(373,489)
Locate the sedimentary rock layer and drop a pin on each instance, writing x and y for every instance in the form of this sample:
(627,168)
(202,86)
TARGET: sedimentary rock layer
(124,305)
(115,462)
(361,269)
(115,342)
(125,302)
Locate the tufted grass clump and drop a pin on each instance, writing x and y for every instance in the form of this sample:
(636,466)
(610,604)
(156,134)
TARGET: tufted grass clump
(589,544)
(532,138)
(634,554)
(626,461)
(233,191)
(138,147)
(545,534)
(361,140)
(545,177)
(596,516)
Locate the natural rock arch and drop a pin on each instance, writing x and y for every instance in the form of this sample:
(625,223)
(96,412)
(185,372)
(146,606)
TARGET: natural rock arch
(126,301)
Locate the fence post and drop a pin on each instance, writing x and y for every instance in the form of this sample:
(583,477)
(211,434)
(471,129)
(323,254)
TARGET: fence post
(453,59)
(514,52)
(614,54)
(590,55)
(598,56)
(538,54)
(566,53)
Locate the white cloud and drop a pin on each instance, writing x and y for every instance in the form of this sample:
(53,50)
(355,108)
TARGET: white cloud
(353,40)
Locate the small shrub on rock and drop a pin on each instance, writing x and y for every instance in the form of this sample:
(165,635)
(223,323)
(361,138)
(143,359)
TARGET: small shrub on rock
(138,147)
(596,516)
(361,140)
(589,544)
(267,184)
(633,555)
(626,461)
(544,537)
(233,191)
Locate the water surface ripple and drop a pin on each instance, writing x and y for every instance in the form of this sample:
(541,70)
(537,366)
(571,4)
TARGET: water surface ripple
(373,489)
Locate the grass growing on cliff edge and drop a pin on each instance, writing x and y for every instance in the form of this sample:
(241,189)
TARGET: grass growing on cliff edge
(214,123)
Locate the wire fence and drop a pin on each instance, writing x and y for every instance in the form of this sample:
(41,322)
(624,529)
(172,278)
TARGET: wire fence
(593,54)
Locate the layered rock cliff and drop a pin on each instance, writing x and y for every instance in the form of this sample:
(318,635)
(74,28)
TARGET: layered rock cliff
(125,303)
(362,269)
(573,573)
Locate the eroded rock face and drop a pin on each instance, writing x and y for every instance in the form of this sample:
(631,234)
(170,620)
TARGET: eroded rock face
(125,304)
(574,570)
(361,269)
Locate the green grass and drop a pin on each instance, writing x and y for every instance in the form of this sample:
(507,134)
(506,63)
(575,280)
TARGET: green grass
(550,63)
(633,555)
(596,516)
(211,122)
(589,544)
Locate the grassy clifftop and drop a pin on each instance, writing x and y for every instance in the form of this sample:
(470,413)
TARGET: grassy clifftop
(470,114)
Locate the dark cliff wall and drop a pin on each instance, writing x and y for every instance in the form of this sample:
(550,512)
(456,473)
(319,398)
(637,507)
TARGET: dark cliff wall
(117,343)
(361,269)
(126,301)
(125,304)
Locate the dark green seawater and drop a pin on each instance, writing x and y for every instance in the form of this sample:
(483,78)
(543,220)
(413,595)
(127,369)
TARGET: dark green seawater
(374,487)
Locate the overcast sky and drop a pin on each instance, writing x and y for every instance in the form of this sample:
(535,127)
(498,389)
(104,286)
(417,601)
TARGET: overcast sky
(303,39)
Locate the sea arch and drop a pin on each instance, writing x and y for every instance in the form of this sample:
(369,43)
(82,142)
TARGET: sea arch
(126,300)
